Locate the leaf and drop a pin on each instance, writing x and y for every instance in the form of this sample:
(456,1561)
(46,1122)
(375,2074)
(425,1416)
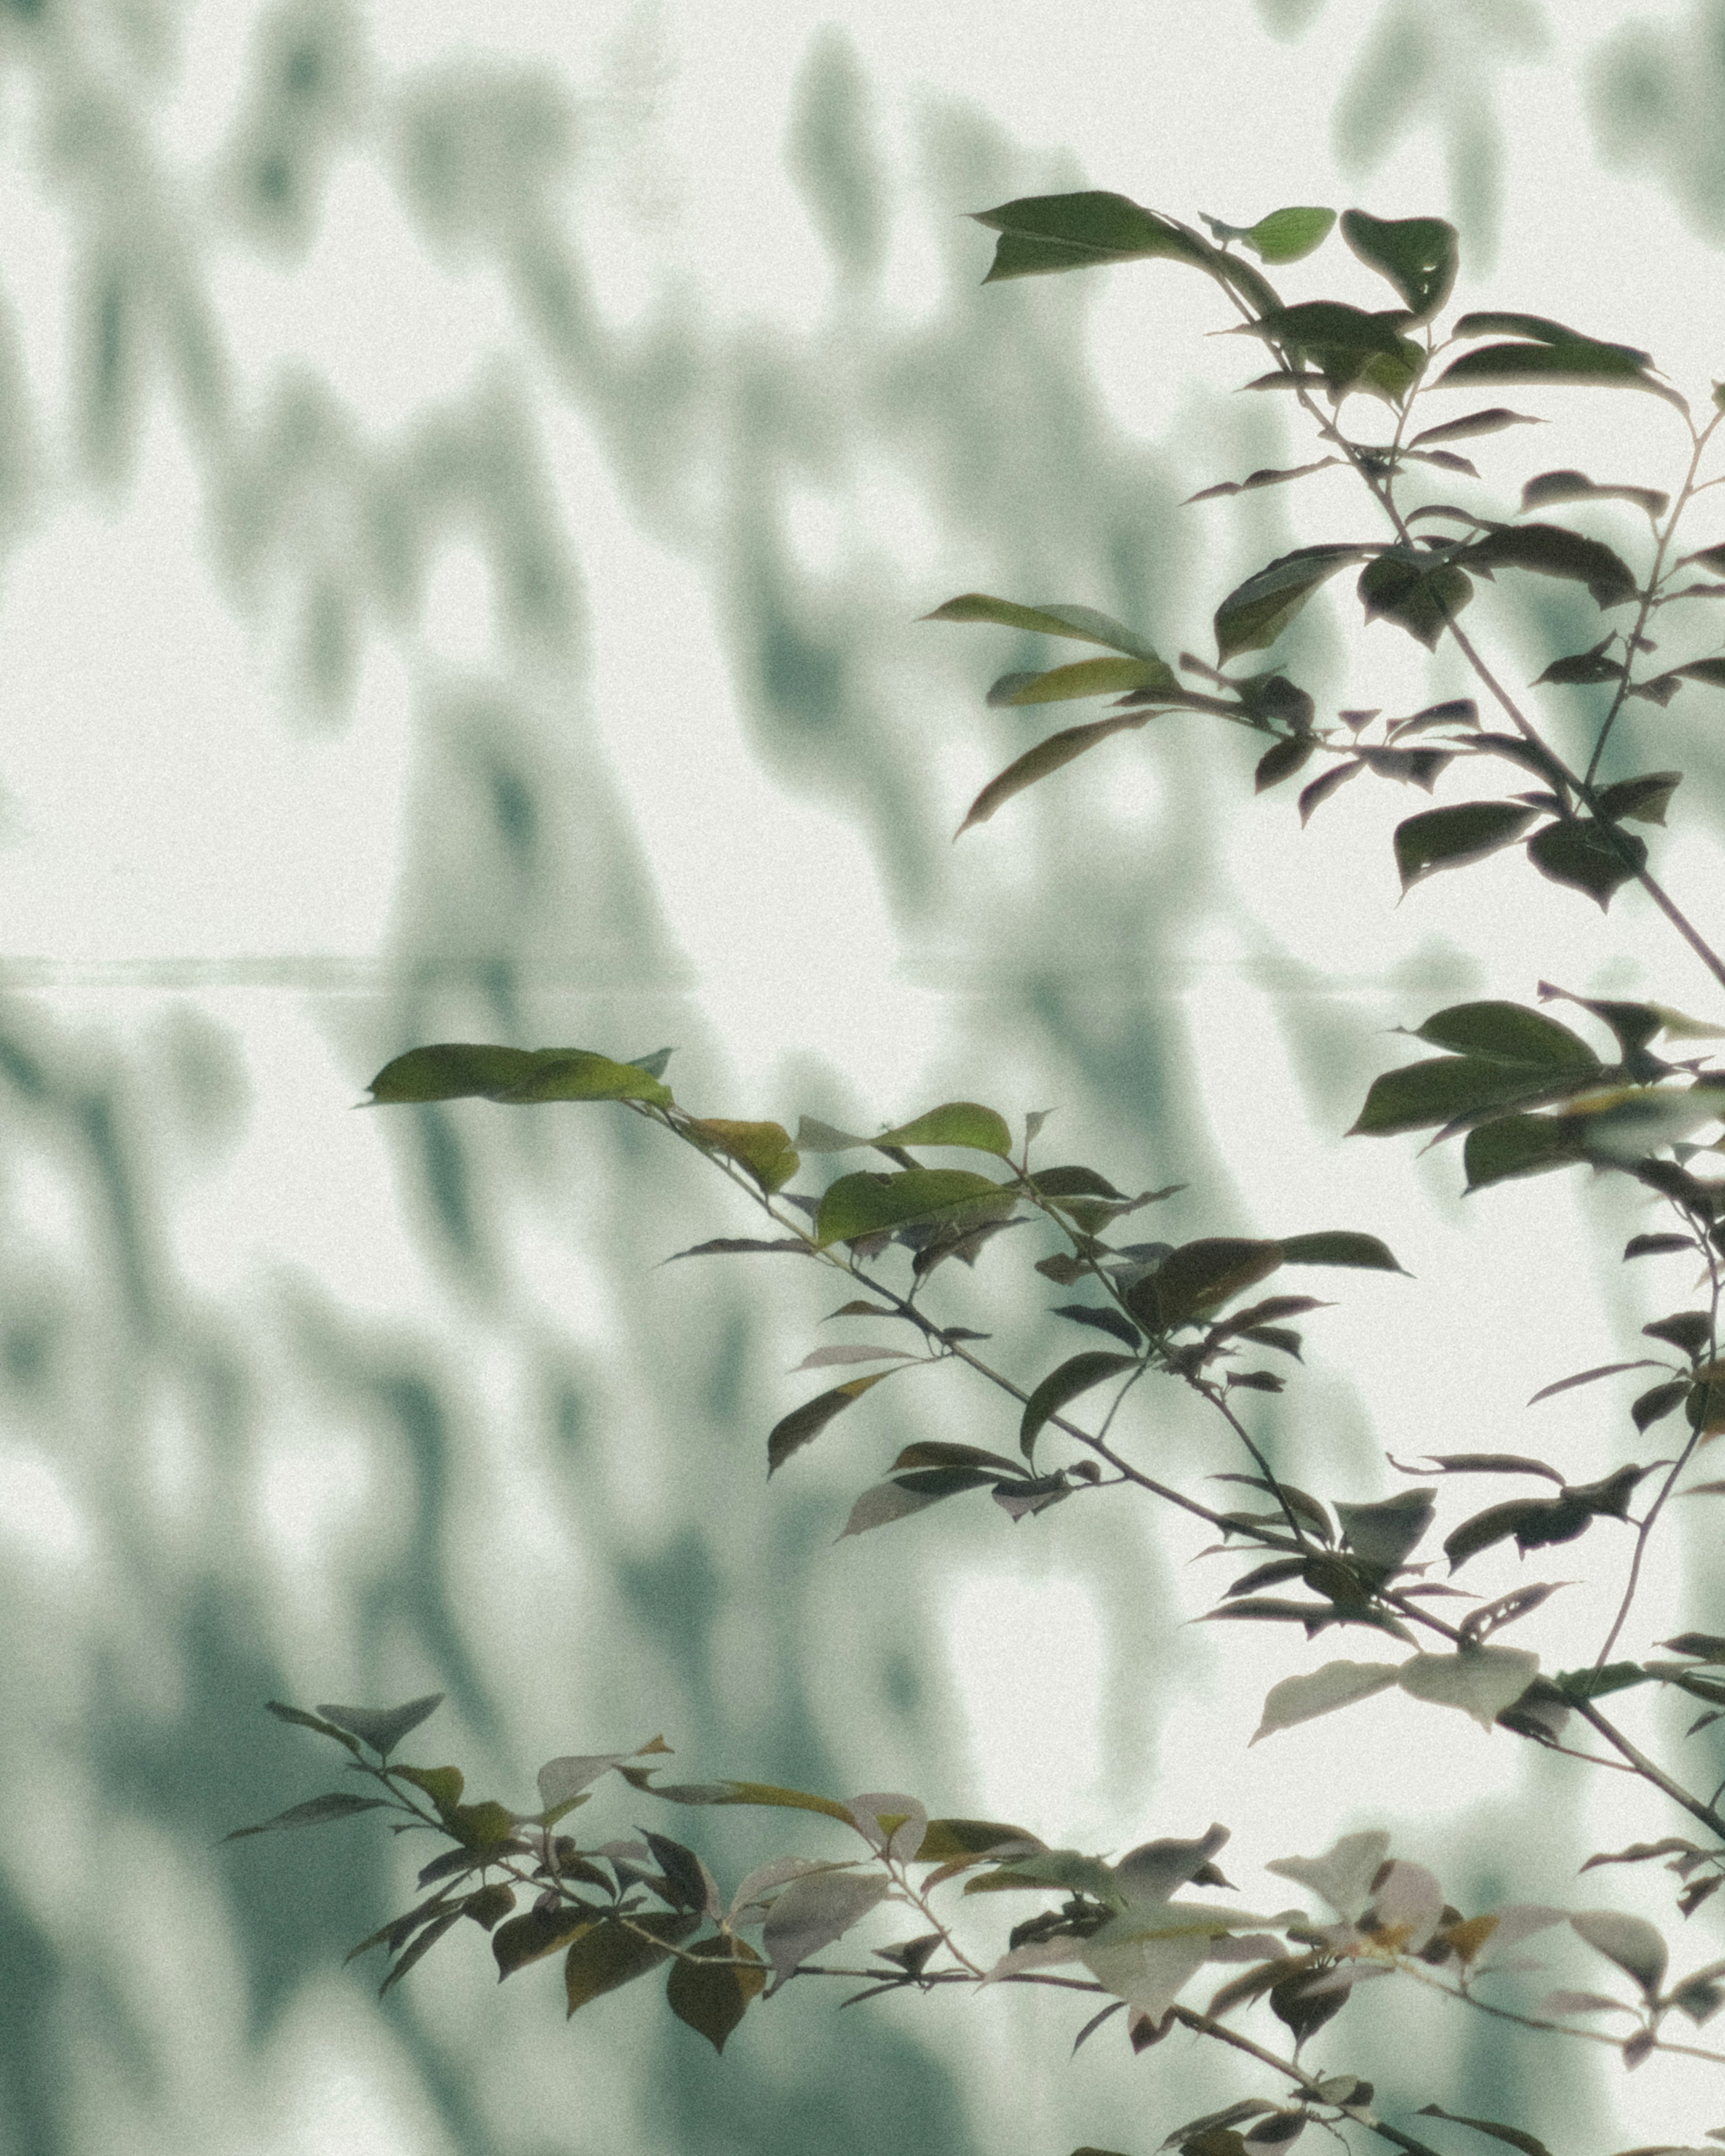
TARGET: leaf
(885,1503)
(1036,764)
(868,1204)
(1706,1646)
(1653,1406)
(1508,1033)
(1582,854)
(813,1910)
(611,1953)
(1536,1523)
(1340,1246)
(1281,760)
(383,1727)
(1513,2134)
(1084,677)
(421,1947)
(1336,1684)
(954,1123)
(764,1149)
(1324,327)
(1587,1377)
(1267,475)
(712,1991)
(282,1712)
(1516,1145)
(1419,1095)
(1104,1319)
(1289,235)
(315,1812)
(1481,1681)
(1452,838)
(1630,1941)
(1084,624)
(562,1779)
(1576,486)
(461,1069)
(822,1357)
(1486,1463)
(1585,666)
(1582,364)
(541,1932)
(1491,421)
(1419,595)
(1418,255)
(1645,798)
(1063,1385)
(1384,1534)
(731,1245)
(1553,551)
(1314,796)
(802,1424)
(1690,1330)
(1199,1276)
(1254,613)
(1044,233)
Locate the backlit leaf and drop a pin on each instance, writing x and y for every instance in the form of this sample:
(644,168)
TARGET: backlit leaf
(541,1932)
(764,1149)
(1043,233)
(711,1993)
(1512,1145)
(812,1912)
(1630,1941)
(868,1204)
(1075,1375)
(806,1423)
(1336,1684)
(1255,613)
(461,1070)
(1419,1096)
(1481,1681)
(317,1811)
(1453,838)
(1047,756)
(1289,235)
(383,1727)
(1084,677)
(955,1123)
(1049,617)
(1507,1033)
(1418,255)
(612,1952)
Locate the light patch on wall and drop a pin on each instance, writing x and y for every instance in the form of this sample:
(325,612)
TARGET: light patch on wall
(1027,1659)
(458,616)
(36,1513)
(307,1492)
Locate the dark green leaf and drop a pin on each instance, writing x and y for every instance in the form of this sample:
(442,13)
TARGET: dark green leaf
(1578,365)
(1082,624)
(1279,1336)
(461,1070)
(1452,838)
(1047,756)
(1418,595)
(1553,551)
(1383,1534)
(730,1246)
(1487,1463)
(1267,475)
(806,1422)
(1417,255)
(383,1727)
(1255,613)
(1576,486)
(1199,1277)
(1589,1377)
(315,1812)
(1043,233)
(685,1886)
(1508,1033)
(1421,1096)
(421,1947)
(1413,767)
(282,1712)
(1327,325)
(1493,421)
(1648,1246)
(1535,1522)
(712,1993)
(1689,1331)
(1339,1246)
(1281,762)
(1104,1319)
(1644,798)
(1084,677)
(1077,1375)
(1515,2137)
(867,1203)
(1653,1406)
(1587,856)
(1516,1145)
(1543,331)
(1584,666)
(610,1952)
(933,1452)
(1597,1684)
(1074,1182)
(1314,796)
(489,1905)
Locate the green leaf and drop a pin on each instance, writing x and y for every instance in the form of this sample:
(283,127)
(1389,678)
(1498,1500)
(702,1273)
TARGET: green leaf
(1255,613)
(1417,255)
(1516,1145)
(1043,233)
(1328,325)
(1649,1246)
(1543,331)
(1084,677)
(1591,665)
(1580,855)
(609,1954)
(1266,475)
(1077,1375)
(1336,1684)
(712,1993)
(459,1070)
(1289,235)
(1281,762)
(1572,366)
(1513,2134)
(1339,1246)
(383,1727)
(442,1784)
(1567,485)
(1508,1033)
(945,1841)
(955,1123)
(806,1423)
(1104,1320)
(1645,799)
(1421,1096)
(1553,551)
(282,1712)
(1481,1681)
(1491,421)
(421,1947)
(317,1811)
(869,1205)
(1418,595)
(764,1149)
(539,1933)
(1038,762)
(1083,623)
(1453,838)
(1199,1276)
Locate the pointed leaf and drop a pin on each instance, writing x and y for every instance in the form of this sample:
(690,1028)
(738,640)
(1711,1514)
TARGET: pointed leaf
(1419,1095)
(1513,2135)
(1507,1033)
(957,1123)
(1036,764)
(1199,1276)
(1084,624)
(1516,1145)
(1075,1375)
(823,1357)
(317,1811)
(1578,365)
(1554,552)
(1630,1941)
(1576,486)
(1419,595)
(1645,798)
(541,1932)
(1418,255)
(461,1070)
(712,1991)
(1452,838)
(812,1912)
(1043,233)
(1103,1319)
(802,1424)
(1481,1680)
(1336,1684)
(1289,235)
(612,1953)
(1582,854)
(1339,1246)
(733,1245)
(1384,1534)
(383,1727)
(1254,613)
(764,1149)
(867,1203)
(1084,677)
(1493,421)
